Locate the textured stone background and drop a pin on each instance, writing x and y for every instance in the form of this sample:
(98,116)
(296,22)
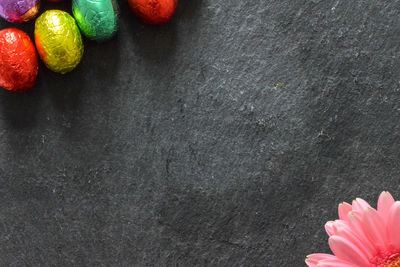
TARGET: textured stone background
(174,146)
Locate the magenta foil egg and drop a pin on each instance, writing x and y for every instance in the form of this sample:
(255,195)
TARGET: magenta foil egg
(19,11)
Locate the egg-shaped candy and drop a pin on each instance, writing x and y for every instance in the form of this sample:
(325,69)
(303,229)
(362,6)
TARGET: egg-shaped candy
(18,60)
(18,11)
(97,19)
(154,11)
(58,41)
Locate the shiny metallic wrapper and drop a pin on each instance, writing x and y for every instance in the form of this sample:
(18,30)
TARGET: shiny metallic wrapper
(18,60)
(58,41)
(18,11)
(97,19)
(154,11)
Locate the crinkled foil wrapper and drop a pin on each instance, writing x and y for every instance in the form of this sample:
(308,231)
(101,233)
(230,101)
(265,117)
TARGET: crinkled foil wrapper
(18,60)
(97,19)
(154,11)
(58,41)
(18,11)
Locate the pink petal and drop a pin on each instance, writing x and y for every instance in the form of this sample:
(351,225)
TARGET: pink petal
(360,204)
(313,259)
(385,202)
(332,226)
(374,228)
(329,228)
(344,209)
(356,224)
(345,232)
(335,263)
(347,251)
(337,225)
(394,225)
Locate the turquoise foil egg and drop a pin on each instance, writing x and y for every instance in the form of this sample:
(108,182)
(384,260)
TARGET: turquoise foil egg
(97,19)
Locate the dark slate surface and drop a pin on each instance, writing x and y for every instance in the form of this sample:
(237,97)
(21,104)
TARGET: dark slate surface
(174,146)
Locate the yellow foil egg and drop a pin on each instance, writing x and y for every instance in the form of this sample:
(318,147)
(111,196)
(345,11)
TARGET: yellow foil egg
(58,41)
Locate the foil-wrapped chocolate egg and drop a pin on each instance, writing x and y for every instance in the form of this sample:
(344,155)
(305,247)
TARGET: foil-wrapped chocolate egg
(58,41)
(18,60)
(154,11)
(18,11)
(97,19)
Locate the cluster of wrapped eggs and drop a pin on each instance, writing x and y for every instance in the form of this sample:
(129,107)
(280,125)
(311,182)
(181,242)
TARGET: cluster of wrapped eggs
(58,34)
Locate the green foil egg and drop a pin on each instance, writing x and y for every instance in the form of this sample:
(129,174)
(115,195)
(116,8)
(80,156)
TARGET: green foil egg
(97,19)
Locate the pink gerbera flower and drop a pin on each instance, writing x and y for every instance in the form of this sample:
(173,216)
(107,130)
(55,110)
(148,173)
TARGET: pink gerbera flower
(363,236)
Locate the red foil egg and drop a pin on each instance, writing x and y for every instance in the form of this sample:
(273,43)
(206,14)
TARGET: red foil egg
(154,11)
(18,60)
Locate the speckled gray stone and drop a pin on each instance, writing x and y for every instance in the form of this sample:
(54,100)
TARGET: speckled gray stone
(174,145)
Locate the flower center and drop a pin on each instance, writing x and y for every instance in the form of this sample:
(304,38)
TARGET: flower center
(393,261)
(386,259)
